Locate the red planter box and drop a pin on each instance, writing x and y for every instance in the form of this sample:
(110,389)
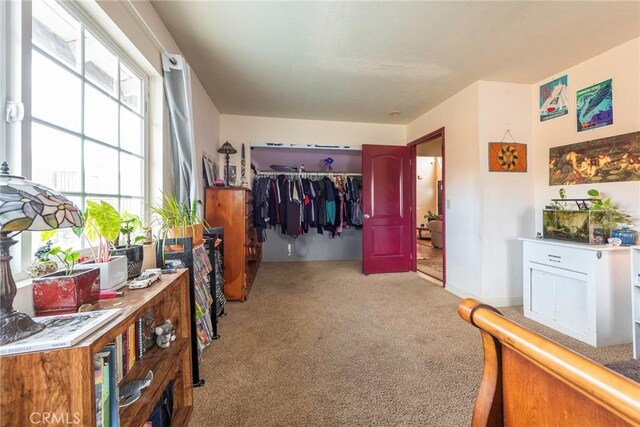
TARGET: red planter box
(56,293)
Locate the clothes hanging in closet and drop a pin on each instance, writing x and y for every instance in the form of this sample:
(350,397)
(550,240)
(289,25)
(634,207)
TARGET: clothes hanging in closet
(298,204)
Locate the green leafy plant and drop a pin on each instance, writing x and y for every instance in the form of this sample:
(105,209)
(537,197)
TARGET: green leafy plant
(101,224)
(68,257)
(175,215)
(610,216)
(430,216)
(129,224)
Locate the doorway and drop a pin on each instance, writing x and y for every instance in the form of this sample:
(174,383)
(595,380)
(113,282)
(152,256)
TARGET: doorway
(428,167)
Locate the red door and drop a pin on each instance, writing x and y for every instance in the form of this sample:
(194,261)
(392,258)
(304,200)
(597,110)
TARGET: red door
(386,202)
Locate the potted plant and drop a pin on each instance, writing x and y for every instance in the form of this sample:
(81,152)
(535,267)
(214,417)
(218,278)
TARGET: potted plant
(129,224)
(102,225)
(608,217)
(179,220)
(43,264)
(66,290)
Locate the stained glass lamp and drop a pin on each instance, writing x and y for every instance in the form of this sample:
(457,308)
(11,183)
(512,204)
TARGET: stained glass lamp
(25,206)
(227,149)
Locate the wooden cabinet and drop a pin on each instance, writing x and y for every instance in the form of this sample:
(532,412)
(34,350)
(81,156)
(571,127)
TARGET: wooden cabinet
(578,289)
(232,209)
(60,382)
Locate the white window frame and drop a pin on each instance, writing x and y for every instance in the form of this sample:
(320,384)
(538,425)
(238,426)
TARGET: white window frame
(18,147)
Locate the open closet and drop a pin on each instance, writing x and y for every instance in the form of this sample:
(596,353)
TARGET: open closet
(307,202)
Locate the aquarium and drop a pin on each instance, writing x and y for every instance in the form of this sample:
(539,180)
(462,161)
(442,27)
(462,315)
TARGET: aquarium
(582,226)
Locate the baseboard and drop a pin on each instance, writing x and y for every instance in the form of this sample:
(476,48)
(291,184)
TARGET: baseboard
(495,302)
(460,292)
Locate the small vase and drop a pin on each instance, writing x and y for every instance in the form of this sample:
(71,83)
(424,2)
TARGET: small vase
(628,237)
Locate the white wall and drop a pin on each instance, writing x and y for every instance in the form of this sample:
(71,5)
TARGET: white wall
(249,129)
(485,212)
(459,115)
(428,169)
(507,198)
(622,64)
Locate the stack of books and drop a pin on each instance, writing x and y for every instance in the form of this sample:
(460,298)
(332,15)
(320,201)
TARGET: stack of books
(114,362)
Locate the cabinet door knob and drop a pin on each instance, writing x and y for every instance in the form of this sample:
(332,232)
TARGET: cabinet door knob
(367,216)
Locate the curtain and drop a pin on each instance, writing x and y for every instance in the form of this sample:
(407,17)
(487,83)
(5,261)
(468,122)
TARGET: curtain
(177,89)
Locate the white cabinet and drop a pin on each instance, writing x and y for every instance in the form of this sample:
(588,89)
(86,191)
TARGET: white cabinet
(577,289)
(635,298)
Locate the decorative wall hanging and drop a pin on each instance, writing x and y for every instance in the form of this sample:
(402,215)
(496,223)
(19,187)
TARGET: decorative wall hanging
(594,106)
(553,99)
(612,159)
(507,156)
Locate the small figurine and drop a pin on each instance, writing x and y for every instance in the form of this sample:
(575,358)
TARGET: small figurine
(165,334)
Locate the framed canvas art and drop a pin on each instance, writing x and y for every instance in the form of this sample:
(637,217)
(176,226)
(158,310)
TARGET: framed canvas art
(594,106)
(507,157)
(553,99)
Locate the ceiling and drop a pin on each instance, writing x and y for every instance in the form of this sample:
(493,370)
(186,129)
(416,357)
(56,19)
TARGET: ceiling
(359,61)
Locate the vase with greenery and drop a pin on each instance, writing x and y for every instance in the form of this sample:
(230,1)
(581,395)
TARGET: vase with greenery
(101,228)
(129,224)
(605,216)
(177,219)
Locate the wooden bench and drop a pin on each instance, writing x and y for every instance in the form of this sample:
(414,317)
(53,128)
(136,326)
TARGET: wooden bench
(529,380)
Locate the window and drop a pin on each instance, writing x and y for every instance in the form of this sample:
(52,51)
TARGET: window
(88,127)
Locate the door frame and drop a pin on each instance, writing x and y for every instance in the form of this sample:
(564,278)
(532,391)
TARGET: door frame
(438,133)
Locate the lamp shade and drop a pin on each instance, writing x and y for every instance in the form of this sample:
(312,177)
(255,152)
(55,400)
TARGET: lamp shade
(227,149)
(25,205)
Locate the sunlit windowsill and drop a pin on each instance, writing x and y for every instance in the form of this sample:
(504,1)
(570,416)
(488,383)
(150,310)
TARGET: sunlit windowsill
(23,283)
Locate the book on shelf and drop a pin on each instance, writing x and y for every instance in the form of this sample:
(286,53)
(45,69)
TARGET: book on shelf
(62,330)
(106,386)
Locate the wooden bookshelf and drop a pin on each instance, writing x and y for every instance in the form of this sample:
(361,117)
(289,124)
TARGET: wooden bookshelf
(61,382)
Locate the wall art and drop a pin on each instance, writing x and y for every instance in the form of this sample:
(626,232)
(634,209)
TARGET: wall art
(594,106)
(553,99)
(507,157)
(612,159)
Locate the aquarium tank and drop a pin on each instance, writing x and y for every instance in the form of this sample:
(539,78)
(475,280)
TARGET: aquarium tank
(581,226)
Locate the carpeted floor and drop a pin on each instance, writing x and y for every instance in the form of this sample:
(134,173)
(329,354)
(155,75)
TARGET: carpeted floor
(320,344)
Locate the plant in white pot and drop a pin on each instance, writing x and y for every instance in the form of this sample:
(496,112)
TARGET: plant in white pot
(134,251)
(102,227)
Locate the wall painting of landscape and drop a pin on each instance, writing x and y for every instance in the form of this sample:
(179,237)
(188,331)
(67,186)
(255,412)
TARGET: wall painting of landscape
(612,159)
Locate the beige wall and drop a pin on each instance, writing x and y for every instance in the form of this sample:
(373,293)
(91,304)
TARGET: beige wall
(250,129)
(507,200)
(459,115)
(622,64)
(428,172)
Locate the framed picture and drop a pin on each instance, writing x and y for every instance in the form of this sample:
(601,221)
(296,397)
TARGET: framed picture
(594,106)
(233,176)
(507,157)
(611,159)
(553,99)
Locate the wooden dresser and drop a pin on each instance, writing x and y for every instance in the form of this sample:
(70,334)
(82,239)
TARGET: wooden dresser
(232,208)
